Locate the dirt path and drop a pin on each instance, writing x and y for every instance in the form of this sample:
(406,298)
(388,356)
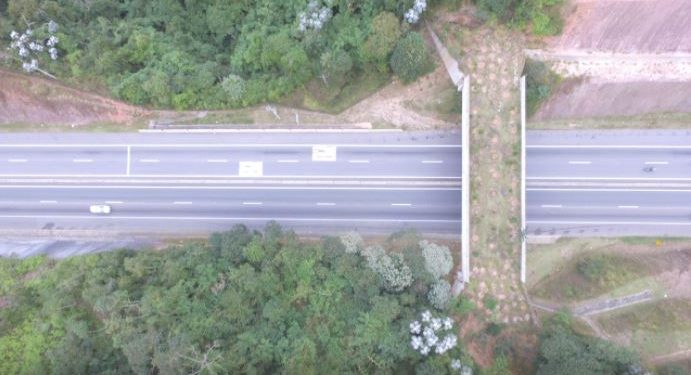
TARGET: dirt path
(617,67)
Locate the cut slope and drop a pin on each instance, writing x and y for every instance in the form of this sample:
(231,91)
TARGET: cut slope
(34,100)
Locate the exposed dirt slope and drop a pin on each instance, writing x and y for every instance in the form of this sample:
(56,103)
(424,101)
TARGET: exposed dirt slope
(633,26)
(642,45)
(25,99)
(591,98)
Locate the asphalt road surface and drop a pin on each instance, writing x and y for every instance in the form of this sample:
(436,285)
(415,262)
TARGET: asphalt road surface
(192,183)
(596,183)
(579,182)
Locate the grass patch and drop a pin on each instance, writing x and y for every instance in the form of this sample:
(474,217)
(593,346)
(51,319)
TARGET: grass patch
(645,121)
(446,104)
(655,328)
(240,116)
(333,99)
(589,275)
(109,127)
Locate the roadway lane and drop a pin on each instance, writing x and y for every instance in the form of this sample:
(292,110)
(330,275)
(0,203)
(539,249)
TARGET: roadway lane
(162,209)
(612,163)
(349,161)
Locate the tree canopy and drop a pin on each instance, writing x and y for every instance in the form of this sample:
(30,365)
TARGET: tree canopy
(241,302)
(212,53)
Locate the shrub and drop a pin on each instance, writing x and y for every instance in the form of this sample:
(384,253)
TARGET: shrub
(439,294)
(234,86)
(540,81)
(352,241)
(395,273)
(438,259)
(410,58)
(592,268)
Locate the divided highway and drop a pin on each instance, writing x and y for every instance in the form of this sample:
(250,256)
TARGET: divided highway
(578,182)
(373,182)
(609,182)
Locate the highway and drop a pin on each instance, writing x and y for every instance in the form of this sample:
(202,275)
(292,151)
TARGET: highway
(594,183)
(578,182)
(191,183)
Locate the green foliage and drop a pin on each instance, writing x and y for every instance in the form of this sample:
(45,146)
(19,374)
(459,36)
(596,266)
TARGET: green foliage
(438,261)
(440,294)
(592,268)
(562,351)
(489,302)
(186,55)
(540,82)
(385,32)
(410,58)
(243,302)
(542,17)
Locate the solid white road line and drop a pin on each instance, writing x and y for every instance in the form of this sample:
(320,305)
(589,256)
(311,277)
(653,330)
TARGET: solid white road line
(358,161)
(628,207)
(192,187)
(614,190)
(252,203)
(137,175)
(288,160)
(226,145)
(432,161)
(128,160)
(551,206)
(48,201)
(611,178)
(182,202)
(401,204)
(217,161)
(684,223)
(325,204)
(202,218)
(82,160)
(114,202)
(656,162)
(579,162)
(16,160)
(148,160)
(613,146)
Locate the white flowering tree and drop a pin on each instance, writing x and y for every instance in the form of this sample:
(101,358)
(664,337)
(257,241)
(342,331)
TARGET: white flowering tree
(315,17)
(440,294)
(393,270)
(30,46)
(352,242)
(412,16)
(432,335)
(438,260)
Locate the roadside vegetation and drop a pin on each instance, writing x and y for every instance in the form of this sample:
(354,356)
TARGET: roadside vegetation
(540,17)
(241,302)
(589,275)
(655,328)
(541,82)
(218,55)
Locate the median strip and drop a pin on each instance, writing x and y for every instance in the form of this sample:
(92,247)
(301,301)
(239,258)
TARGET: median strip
(182,202)
(48,201)
(627,206)
(252,203)
(82,160)
(401,204)
(579,162)
(217,161)
(16,160)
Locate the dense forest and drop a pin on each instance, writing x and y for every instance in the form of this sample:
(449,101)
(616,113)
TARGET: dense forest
(246,302)
(213,54)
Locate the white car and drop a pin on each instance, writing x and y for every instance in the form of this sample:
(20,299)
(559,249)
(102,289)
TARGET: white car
(102,209)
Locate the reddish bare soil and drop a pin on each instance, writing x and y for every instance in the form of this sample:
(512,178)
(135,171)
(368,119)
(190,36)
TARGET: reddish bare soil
(637,50)
(35,100)
(628,26)
(591,98)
